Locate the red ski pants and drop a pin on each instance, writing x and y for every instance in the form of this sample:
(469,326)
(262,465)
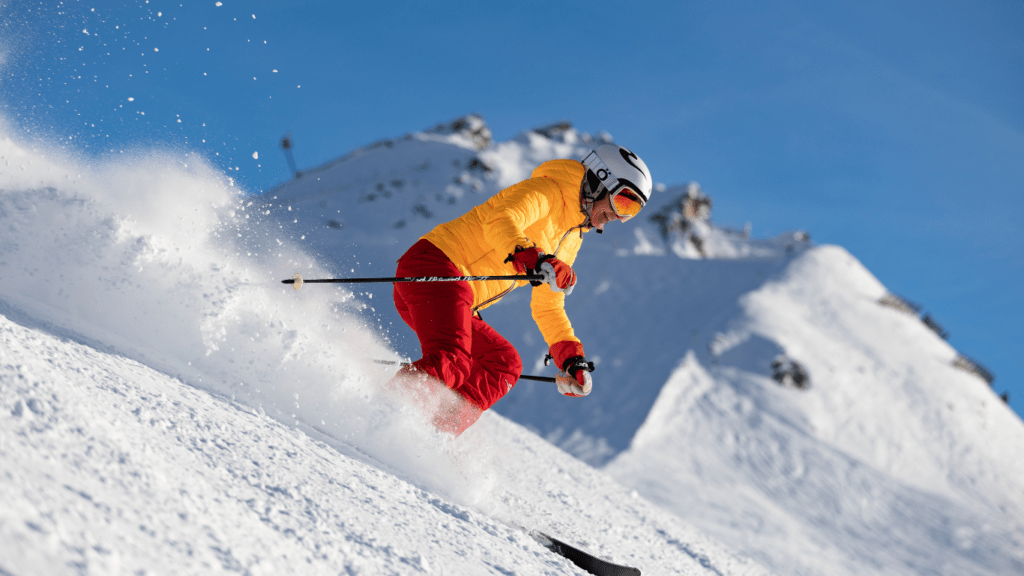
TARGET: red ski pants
(459,348)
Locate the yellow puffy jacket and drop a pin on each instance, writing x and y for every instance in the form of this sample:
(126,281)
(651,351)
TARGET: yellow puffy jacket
(543,210)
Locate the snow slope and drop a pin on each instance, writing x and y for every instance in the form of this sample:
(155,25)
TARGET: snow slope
(892,460)
(112,467)
(167,406)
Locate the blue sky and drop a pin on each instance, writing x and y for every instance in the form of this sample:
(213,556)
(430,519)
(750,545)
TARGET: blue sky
(895,129)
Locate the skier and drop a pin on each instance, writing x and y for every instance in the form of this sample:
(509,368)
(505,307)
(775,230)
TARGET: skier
(529,227)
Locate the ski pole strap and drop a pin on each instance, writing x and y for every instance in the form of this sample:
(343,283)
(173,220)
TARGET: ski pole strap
(297,281)
(521,377)
(548,359)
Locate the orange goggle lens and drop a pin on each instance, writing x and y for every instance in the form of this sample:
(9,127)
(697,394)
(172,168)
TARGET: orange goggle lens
(626,203)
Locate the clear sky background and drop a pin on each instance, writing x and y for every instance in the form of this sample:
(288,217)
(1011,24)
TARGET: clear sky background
(893,128)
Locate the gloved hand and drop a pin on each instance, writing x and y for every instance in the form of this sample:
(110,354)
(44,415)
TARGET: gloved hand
(558,274)
(524,260)
(574,379)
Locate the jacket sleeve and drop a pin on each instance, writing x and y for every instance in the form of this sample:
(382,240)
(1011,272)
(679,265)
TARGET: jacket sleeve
(548,308)
(515,209)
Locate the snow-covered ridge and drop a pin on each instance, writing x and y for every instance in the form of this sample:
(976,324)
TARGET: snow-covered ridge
(419,179)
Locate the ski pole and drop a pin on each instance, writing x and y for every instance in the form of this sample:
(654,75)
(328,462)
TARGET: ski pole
(521,377)
(297,281)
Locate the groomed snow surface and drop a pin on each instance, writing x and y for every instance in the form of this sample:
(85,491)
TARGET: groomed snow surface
(167,406)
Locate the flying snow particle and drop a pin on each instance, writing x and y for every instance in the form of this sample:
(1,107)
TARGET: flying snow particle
(156,49)
(85,31)
(130,99)
(255,155)
(220,3)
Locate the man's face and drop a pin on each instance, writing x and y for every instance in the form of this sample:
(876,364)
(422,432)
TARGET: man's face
(602,213)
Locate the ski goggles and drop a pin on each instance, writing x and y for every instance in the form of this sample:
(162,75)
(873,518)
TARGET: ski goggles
(626,203)
(599,179)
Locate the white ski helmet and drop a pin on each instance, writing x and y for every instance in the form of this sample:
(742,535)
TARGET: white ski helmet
(611,167)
